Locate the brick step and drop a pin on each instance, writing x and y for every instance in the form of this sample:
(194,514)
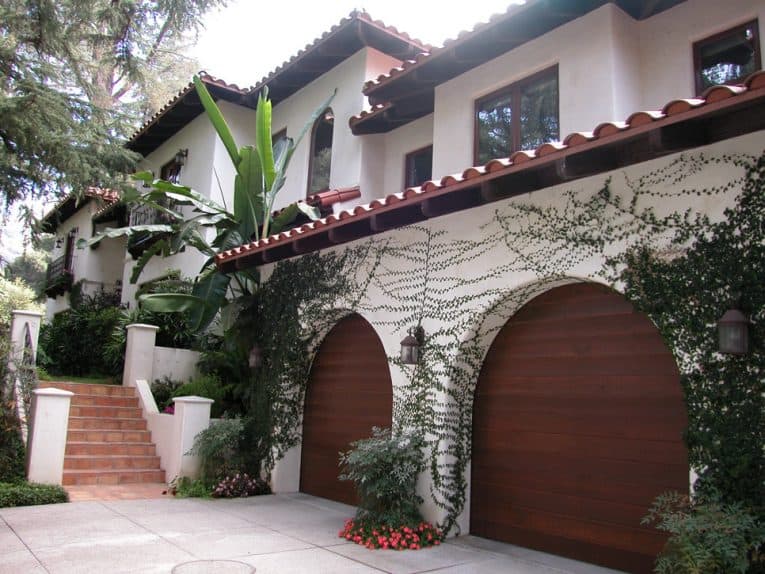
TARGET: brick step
(99,411)
(104,401)
(98,423)
(89,389)
(88,462)
(111,436)
(83,477)
(114,448)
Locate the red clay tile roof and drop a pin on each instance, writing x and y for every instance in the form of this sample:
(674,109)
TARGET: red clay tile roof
(407,90)
(414,45)
(328,198)
(351,34)
(152,133)
(70,204)
(722,112)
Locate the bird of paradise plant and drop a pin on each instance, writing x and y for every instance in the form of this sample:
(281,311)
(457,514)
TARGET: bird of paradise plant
(261,171)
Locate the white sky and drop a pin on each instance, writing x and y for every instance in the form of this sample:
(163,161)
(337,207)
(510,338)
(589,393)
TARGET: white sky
(248,39)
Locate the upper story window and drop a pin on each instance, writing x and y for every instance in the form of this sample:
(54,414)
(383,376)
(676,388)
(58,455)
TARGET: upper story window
(171,171)
(418,167)
(727,57)
(321,152)
(521,116)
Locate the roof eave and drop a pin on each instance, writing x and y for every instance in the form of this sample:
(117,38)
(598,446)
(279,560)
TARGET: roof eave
(723,113)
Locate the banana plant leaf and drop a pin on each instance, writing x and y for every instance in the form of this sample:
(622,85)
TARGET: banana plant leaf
(114,232)
(217,120)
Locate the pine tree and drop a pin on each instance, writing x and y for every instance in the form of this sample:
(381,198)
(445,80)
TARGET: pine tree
(76,77)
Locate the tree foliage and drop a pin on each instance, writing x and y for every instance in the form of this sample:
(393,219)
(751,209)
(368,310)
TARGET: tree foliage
(76,77)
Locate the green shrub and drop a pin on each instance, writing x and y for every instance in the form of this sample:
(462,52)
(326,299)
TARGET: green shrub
(163,390)
(706,536)
(67,342)
(29,494)
(11,446)
(208,386)
(219,449)
(384,469)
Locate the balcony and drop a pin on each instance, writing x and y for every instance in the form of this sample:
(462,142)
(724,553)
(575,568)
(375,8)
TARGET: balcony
(58,277)
(145,215)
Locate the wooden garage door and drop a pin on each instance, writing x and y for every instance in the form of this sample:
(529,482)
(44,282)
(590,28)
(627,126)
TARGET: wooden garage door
(577,426)
(349,392)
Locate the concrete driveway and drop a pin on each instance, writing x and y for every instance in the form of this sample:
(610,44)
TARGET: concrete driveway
(279,534)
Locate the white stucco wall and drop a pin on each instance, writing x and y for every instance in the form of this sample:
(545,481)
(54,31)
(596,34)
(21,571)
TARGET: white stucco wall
(477,274)
(199,138)
(99,268)
(585,77)
(666,43)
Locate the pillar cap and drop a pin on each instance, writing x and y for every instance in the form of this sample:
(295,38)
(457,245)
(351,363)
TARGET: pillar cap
(193,399)
(25,312)
(143,326)
(52,392)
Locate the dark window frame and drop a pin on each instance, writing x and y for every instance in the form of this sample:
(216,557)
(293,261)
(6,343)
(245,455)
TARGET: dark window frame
(409,159)
(171,171)
(700,44)
(312,152)
(515,91)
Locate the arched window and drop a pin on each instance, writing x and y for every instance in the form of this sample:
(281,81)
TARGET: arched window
(321,152)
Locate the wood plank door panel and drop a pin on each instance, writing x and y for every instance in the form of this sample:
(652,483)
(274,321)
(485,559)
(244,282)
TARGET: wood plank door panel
(577,427)
(349,391)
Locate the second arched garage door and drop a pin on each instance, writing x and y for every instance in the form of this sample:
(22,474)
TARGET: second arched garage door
(349,391)
(577,426)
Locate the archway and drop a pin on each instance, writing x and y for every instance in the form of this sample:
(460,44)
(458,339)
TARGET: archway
(349,391)
(577,427)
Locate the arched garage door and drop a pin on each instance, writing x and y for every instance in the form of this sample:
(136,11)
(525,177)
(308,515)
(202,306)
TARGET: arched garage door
(577,426)
(349,391)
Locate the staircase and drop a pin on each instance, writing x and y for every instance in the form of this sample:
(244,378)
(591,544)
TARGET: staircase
(108,441)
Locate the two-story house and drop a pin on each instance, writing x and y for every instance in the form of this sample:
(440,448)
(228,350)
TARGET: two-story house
(554,409)
(451,179)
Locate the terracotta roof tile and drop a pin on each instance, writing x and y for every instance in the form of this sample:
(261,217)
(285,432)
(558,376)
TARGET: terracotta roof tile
(603,133)
(354,15)
(206,78)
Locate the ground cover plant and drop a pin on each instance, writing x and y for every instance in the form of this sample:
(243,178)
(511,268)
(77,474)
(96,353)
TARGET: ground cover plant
(29,494)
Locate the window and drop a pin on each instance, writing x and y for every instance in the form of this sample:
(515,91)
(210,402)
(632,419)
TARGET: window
(521,116)
(728,57)
(321,152)
(418,166)
(171,171)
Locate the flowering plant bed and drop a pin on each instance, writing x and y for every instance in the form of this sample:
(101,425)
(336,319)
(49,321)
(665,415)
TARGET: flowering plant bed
(240,485)
(373,535)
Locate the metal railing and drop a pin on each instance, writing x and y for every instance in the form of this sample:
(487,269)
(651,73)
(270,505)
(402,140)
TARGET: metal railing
(58,277)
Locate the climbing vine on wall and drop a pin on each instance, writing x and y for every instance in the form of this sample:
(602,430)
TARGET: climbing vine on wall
(462,282)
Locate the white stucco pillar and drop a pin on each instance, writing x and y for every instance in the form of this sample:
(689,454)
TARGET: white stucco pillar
(192,416)
(285,477)
(21,323)
(19,320)
(139,354)
(47,435)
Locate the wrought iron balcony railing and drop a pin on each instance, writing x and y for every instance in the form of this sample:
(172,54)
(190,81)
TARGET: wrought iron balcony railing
(58,277)
(146,215)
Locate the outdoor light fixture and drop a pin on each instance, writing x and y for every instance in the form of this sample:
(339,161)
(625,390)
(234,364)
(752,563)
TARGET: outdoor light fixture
(180,157)
(410,345)
(733,332)
(255,358)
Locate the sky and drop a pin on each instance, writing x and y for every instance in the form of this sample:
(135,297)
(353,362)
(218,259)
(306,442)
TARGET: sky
(246,40)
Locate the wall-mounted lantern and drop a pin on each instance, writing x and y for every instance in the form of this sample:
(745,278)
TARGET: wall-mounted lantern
(411,345)
(733,332)
(180,157)
(255,360)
